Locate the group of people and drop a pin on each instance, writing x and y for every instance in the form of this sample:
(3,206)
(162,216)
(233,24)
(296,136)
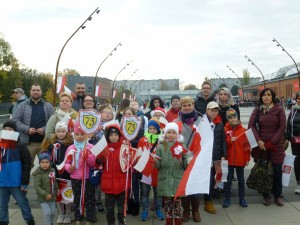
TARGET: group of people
(170,137)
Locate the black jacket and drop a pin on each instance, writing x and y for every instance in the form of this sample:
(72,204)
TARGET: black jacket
(151,106)
(295,123)
(220,146)
(201,103)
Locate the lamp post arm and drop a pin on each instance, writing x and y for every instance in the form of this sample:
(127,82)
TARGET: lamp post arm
(61,51)
(128,79)
(263,77)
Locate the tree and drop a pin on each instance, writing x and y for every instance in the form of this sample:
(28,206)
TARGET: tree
(206,79)
(222,85)
(190,87)
(246,77)
(7,58)
(69,72)
(234,90)
(49,95)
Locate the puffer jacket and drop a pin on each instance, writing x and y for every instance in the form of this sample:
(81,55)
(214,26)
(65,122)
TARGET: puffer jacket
(172,115)
(293,123)
(271,129)
(201,103)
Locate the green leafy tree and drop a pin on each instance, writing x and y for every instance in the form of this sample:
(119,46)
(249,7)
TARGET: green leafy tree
(69,72)
(234,90)
(7,58)
(190,87)
(246,77)
(206,79)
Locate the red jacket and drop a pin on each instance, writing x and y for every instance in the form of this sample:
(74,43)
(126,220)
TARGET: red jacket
(238,152)
(172,115)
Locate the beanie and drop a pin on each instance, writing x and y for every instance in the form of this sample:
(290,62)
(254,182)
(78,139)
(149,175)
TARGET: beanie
(175,97)
(44,155)
(172,126)
(61,125)
(112,130)
(10,123)
(77,128)
(158,109)
(155,123)
(230,113)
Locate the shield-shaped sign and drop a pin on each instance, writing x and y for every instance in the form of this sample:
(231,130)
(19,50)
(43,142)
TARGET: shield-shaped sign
(127,157)
(89,120)
(130,126)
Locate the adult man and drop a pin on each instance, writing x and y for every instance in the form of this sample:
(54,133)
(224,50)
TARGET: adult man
(32,116)
(19,96)
(172,114)
(204,97)
(80,95)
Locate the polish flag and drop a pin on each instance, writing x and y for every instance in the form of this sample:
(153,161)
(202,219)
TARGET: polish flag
(65,194)
(196,177)
(114,93)
(99,147)
(9,139)
(248,139)
(124,95)
(61,81)
(98,91)
(146,163)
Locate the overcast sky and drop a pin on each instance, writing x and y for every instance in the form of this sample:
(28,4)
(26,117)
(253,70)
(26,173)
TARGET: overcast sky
(184,39)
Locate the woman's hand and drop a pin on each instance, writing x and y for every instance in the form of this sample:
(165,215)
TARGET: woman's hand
(261,145)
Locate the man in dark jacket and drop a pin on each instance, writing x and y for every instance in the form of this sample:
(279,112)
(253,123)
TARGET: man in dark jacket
(203,98)
(14,176)
(155,102)
(80,95)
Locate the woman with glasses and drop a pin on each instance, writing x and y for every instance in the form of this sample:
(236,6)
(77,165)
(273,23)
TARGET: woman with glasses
(89,102)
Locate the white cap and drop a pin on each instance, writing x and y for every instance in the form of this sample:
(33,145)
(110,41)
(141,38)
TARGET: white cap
(212,105)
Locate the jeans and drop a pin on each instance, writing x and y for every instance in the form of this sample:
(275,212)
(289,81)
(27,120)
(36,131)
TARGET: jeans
(20,197)
(145,196)
(48,209)
(241,181)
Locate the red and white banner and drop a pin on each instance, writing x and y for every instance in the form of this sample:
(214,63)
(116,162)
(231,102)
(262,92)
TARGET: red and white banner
(287,168)
(146,163)
(98,91)
(221,168)
(196,177)
(114,93)
(61,81)
(9,139)
(65,193)
(99,147)
(248,139)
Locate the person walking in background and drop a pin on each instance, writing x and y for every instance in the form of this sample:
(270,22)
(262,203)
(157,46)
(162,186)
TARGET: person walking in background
(19,96)
(293,133)
(155,102)
(204,97)
(32,116)
(172,113)
(268,123)
(79,90)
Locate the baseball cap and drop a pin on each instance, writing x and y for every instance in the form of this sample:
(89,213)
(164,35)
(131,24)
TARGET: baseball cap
(212,105)
(20,90)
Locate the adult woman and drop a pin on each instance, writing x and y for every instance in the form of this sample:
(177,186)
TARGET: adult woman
(89,102)
(293,134)
(268,123)
(65,107)
(189,117)
(226,102)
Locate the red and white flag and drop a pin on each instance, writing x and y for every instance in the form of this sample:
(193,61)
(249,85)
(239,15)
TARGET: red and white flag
(98,91)
(248,140)
(9,139)
(196,177)
(99,147)
(61,81)
(124,95)
(146,163)
(114,93)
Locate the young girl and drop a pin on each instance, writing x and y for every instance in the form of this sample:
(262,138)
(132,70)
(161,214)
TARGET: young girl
(171,165)
(45,186)
(113,180)
(79,166)
(57,148)
(150,141)
(238,156)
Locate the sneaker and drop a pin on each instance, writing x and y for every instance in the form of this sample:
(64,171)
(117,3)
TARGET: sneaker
(61,218)
(226,203)
(144,215)
(159,215)
(67,219)
(100,208)
(297,190)
(243,203)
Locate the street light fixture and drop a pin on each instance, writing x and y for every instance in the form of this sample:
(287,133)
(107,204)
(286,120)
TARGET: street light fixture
(283,49)
(57,64)
(222,79)
(128,79)
(110,54)
(238,78)
(134,83)
(249,60)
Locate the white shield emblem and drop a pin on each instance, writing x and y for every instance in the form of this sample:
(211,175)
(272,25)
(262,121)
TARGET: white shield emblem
(127,156)
(89,120)
(130,127)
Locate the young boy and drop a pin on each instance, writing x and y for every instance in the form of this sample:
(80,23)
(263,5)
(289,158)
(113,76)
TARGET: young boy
(238,156)
(46,187)
(219,150)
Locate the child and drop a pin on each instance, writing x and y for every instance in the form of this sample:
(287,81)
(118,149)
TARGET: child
(45,186)
(82,160)
(57,148)
(171,166)
(219,150)
(113,180)
(150,142)
(238,156)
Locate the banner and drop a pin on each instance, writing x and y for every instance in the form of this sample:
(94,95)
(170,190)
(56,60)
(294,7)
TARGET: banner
(287,167)
(130,127)
(65,193)
(296,86)
(9,139)
(61,81)
(127,156)
(89,120)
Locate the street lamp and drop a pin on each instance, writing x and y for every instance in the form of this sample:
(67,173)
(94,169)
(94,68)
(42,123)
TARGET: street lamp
(57,64)
(110,54)
(222,79)
(113,84)
(249,60)
(283,49)
(128,79)
(134,83)
(239,80)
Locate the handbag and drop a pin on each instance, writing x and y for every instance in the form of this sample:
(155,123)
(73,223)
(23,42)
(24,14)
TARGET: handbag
(95,176)
(261,176)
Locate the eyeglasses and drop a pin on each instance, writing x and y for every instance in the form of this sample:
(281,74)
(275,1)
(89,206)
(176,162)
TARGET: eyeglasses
(88,101)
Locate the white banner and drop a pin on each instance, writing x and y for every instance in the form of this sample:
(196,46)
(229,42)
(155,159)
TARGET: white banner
(89,120)
(287,167)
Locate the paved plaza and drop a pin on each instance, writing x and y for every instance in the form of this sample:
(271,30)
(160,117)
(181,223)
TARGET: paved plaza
(255,214)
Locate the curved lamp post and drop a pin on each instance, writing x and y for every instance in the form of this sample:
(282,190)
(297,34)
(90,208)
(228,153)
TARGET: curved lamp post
(128,79)
(113,84)
(239,80)
(249,60)
(110,54)
(134,83)
(57,64)
(283,49)
(222,79)
(136,87)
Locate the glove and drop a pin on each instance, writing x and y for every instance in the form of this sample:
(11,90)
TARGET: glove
(270,146)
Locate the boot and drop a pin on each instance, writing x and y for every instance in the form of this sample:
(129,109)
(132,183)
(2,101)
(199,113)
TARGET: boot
(209,207)
(31,222)
(135,209)
(185,202)
(195,209)
(169,221)
(177,221)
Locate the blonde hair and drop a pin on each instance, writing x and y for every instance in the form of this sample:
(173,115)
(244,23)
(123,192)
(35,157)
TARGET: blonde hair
(65,95)
(187,99)
(105,106)
(230,100)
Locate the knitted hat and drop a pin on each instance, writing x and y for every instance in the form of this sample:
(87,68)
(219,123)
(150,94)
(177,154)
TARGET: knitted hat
(231,113)
(10,123)
(61,125)
(172,126)
(158,109)
(155,123)
(44,155)
(112,130)
(175,97)
(77,128)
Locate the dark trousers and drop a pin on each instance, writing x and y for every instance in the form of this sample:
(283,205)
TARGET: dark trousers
(241,181)
(277,181)
(296,152)
(207,197)
(136,177)
(110,201)
(89,199)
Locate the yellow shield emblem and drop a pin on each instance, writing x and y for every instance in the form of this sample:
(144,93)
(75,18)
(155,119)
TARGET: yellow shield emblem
(89,121)
(131,126)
